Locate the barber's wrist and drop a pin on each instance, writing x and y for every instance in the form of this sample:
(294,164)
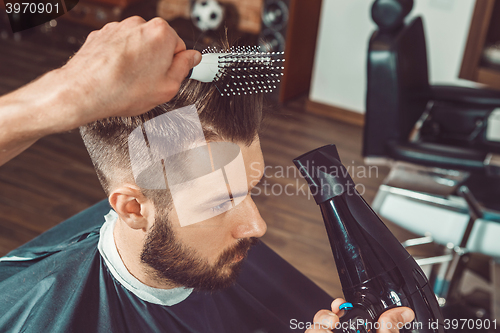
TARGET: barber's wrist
(40,108)
(70,104)
(48,105)
(24,113)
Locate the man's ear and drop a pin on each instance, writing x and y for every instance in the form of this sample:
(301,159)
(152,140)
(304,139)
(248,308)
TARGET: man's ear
(132,206)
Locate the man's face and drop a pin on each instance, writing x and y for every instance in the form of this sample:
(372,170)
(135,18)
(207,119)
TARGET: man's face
(207,255)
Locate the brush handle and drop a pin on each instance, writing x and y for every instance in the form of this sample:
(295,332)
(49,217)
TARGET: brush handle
(207,69)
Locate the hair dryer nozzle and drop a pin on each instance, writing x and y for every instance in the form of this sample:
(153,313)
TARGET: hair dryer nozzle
(325,174)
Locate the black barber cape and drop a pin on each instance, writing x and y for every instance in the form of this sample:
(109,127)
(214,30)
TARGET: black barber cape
(59,282)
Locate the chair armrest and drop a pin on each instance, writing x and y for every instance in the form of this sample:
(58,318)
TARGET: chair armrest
(479,97)
(440,156)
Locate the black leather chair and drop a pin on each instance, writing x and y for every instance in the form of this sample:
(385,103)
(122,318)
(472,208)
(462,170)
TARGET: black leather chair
(407,119)
(438,129)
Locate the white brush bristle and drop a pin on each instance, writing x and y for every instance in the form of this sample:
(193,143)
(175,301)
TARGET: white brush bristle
(246,70)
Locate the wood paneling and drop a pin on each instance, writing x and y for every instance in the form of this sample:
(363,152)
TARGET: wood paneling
(484,29)
(300,48)
(248,12)
(489,77)
(52,180)
(335,113)
(477,36)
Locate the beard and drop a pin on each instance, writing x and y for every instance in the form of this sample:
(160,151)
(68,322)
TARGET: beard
(174,262)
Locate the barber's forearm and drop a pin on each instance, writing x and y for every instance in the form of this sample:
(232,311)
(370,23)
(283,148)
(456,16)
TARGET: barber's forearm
(122,70)
(45,106)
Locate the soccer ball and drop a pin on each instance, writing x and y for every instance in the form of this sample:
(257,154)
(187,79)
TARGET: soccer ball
(207,14)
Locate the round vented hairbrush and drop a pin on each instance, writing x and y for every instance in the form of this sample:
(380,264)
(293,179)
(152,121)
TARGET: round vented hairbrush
(239,70)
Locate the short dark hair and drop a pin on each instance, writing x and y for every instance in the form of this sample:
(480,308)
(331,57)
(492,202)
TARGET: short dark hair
(227,118)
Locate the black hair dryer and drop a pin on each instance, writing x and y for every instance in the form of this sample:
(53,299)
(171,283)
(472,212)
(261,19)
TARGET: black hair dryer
(376,272)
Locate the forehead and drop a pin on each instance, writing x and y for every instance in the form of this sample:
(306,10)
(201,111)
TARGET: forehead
(205,158)
(234,162)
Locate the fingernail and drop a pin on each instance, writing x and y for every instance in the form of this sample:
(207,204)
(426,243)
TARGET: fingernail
(407,315)
(197,58)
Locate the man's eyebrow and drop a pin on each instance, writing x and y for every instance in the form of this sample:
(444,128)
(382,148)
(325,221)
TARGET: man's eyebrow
(240,194)
(220,197)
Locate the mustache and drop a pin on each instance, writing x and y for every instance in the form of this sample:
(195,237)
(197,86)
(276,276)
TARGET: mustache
(240,249)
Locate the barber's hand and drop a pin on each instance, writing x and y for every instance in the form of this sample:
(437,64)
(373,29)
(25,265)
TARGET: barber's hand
(325,320)
(127,68)
(124,69)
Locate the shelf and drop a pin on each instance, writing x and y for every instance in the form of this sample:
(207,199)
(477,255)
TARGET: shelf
(483,31)
(488,76)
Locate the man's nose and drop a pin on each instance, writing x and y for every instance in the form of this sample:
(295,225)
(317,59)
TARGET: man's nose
(250,223)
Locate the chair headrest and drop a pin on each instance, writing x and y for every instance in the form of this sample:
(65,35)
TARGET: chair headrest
(390,14)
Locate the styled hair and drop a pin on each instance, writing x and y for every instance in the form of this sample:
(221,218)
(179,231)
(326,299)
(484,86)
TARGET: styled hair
(227,118)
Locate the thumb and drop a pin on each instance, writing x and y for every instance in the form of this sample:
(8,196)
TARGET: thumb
(395,318)
(181,64)
(196,55)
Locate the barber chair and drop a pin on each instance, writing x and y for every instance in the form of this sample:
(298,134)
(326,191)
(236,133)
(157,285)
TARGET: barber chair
(443,147)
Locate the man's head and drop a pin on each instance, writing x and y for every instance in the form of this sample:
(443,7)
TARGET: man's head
(149,235)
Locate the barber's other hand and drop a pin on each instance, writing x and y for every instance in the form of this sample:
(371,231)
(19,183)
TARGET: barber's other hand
(325,320)
(127,68)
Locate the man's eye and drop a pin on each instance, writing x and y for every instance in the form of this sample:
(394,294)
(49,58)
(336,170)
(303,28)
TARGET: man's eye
(222,207)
